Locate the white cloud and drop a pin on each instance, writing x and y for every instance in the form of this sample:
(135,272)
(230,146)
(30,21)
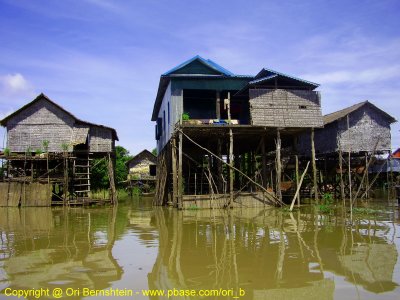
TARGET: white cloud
(14,83)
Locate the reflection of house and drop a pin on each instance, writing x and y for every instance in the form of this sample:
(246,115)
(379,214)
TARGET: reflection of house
(142,165)
(48,144)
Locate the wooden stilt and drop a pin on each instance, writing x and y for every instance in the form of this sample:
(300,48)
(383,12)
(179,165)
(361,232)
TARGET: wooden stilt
(231,170)
(314,167)
(366,178)
(218,105)
(349,170)
(342,195)
(219,166)
(174,174)
(113,191)
(297,180)
(278,165)
(264,163)
(180,178)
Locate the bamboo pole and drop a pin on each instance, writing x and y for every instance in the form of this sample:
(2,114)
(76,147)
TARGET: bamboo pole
(264,163)
(278,165)
(114,199)
(180,182)
(244,175)
(174,173)
(314,167)
(231,163)
(297,180)
(299,186)
(341,177)
(349,170)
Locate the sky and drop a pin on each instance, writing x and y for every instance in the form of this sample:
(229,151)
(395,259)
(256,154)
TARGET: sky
(102,60)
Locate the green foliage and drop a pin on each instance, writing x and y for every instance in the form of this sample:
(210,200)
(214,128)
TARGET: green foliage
(7,151)
(154,151)
(100,170)
(185,116)
(38,151)
(28,151)
(64,147)
(326,205)
(45,144)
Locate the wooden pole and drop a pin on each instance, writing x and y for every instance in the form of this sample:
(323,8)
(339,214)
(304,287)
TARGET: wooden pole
(114,199)
(278,165)
(218,105)
(314,166)
(231,163)
(264,163)
(342,195)
(366,178)
(219,166)
(180,182)
(297,180)
(349,169)
(299,186)
(174,174)
(275,199)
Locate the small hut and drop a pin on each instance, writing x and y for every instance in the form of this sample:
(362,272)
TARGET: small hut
(48,145)
(142,171)
(362,127)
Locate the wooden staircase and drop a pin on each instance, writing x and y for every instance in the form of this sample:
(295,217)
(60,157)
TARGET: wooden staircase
(81,175)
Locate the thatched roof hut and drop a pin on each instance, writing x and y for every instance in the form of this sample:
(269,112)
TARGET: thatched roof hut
(43,123)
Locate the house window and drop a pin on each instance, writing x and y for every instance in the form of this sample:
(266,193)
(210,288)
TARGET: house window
(302,106)
(164,120)
(168,115)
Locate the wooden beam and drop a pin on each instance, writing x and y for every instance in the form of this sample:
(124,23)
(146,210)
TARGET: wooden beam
(264,162)
(297,180)
(174,174)
(278,165)
(180,179)
(298,187)
(218,105)
(314,166)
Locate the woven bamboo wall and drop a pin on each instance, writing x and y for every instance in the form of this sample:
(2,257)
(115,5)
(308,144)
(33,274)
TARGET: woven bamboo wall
(43,121)
(37,123)
(285,108)
(366,127)
(100,139)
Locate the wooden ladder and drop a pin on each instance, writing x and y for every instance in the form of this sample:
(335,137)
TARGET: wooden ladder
(81,175)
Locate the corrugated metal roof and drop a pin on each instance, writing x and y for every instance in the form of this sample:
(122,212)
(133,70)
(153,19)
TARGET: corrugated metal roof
(265,72)
(332,117)
(263,79)
(207,62)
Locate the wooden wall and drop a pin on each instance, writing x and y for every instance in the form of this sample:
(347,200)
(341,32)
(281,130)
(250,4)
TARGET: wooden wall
(100,139)
(285,108)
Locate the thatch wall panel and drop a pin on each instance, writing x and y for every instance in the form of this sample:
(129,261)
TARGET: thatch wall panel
(283,108)
(100,139)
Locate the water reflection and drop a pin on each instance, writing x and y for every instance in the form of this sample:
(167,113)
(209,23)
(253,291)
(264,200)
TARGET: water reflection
(45,247)
(270,253)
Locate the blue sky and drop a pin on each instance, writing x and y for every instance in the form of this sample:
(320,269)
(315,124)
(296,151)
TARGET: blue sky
(102,59)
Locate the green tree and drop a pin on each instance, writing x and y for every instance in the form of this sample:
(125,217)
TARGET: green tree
(100,170)
(154,151)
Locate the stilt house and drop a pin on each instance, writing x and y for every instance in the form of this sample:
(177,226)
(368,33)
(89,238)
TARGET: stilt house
(361,127)
(47,143)
(214,128)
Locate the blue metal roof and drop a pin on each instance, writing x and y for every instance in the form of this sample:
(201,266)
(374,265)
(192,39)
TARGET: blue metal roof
(207,62)
(262,79)
(268,72)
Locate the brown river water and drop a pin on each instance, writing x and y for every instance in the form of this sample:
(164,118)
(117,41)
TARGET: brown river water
(198,254)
